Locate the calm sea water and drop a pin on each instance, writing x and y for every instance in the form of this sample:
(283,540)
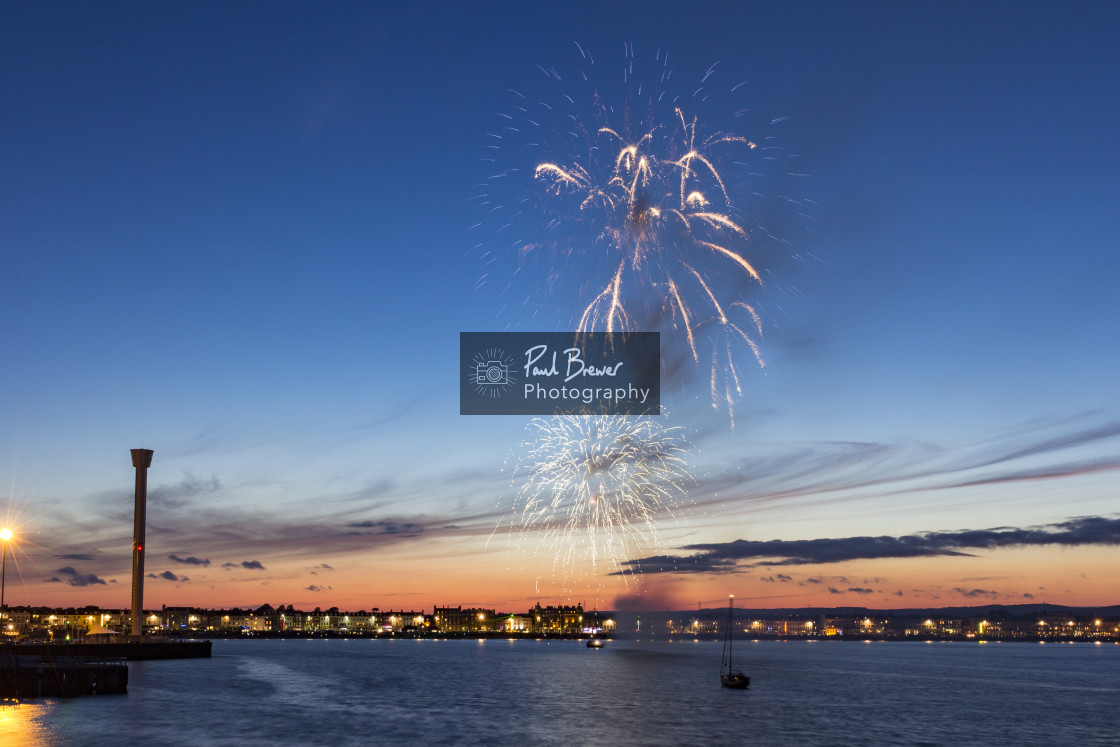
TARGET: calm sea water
(343,692)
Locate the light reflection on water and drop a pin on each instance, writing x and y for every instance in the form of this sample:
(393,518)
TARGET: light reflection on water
(343,692)
(23,723)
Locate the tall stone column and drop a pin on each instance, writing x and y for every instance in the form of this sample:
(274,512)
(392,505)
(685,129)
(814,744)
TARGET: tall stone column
(141,460)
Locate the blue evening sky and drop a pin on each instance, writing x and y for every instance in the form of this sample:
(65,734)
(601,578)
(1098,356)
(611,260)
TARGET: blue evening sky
(240,234)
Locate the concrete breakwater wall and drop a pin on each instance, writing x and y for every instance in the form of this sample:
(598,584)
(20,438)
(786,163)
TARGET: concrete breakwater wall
(142,650)
(60,677)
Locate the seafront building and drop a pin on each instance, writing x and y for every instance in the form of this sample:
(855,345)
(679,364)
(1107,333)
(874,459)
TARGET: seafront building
(70,624)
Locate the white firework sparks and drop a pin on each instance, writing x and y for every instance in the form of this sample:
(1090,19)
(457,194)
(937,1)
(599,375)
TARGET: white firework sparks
(595,487)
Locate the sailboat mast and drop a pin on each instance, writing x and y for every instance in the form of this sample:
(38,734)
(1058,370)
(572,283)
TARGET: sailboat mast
(730,631)
(733,677)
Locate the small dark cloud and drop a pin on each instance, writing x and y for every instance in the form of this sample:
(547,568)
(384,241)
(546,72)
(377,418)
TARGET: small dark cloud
(831,590)
(899,593)
(784,578)
(76,556)
(406,528)
(814,580)
(168,576)
(1028,595)
(252,565)
(73,578)
(976,592)
(860,590)
(313,587)
(191,560)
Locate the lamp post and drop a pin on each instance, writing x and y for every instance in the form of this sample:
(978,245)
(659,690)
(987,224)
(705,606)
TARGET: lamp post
(5,535)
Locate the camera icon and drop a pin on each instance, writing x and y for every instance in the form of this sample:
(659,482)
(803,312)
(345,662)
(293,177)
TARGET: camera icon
(492,373)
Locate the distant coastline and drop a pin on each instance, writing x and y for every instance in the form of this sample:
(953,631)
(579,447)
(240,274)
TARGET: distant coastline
(663,637)
(1035,622)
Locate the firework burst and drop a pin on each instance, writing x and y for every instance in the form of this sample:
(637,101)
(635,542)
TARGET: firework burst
(594,487)
(638,210)
(670,248)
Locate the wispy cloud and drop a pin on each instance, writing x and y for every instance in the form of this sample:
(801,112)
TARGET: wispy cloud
(812,473)
(223,533)
(353,520)
(182,492)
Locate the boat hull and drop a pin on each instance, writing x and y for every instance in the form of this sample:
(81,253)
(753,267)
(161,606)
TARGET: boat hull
(735,680)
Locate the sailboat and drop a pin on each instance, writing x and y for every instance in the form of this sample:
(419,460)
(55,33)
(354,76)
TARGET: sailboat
(731,677)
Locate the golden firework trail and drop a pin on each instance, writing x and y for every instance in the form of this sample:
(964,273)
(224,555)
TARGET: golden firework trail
(628,211)
(664,216)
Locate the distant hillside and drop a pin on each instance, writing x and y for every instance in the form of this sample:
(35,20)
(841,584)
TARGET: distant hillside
(1011,610)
